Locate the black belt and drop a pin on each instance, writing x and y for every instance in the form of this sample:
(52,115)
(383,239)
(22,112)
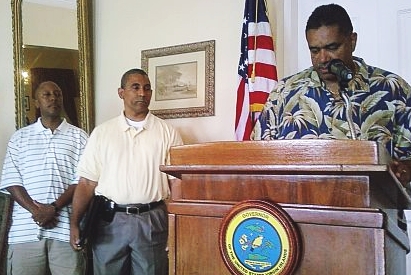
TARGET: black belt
(137,208)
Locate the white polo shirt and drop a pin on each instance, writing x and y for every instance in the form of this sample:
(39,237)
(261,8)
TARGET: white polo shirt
(44,163)
(125,162)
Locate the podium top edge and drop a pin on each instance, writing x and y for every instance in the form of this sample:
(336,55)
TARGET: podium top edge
(281,152)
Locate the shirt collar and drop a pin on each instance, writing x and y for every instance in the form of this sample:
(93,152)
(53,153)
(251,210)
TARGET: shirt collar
(40,128)
(148,122)
(361,81)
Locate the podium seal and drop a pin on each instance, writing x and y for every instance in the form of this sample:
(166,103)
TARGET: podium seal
(259,238)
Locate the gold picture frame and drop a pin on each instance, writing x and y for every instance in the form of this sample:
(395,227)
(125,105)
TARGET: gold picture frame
(182,78)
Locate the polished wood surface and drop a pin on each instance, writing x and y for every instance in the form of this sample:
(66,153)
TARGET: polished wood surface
(345,205)
(295,152)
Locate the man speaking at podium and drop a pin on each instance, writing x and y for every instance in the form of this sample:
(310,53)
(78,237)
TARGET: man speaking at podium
(340,96)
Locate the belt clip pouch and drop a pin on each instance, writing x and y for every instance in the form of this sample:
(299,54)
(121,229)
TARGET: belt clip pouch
(89,223)
(108,211)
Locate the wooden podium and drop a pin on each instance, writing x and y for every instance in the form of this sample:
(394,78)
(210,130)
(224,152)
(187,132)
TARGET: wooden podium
(341,194)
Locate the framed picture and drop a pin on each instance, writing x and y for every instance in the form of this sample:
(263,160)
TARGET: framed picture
(182,79)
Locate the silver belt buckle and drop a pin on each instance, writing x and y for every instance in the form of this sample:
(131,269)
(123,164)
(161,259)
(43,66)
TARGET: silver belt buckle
(132,207)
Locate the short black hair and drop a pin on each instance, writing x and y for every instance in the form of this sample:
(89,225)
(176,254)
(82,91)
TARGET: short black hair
(330,15)
(130,72)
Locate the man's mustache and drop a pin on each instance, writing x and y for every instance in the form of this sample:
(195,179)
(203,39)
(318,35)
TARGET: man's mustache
(322,66)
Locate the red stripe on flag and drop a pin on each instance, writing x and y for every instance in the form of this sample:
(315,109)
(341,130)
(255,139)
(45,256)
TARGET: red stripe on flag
(264,70)
(258,97)
(263,42)
(248,129)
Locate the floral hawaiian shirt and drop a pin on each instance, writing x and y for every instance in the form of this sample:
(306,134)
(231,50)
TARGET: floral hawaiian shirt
(300,107)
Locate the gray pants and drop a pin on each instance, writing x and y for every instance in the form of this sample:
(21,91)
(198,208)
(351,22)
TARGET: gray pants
(132,244)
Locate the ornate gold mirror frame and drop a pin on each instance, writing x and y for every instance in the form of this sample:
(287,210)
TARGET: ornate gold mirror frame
(85,69)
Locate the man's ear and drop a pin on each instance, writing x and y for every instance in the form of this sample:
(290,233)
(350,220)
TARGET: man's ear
(120,92)
(353,41)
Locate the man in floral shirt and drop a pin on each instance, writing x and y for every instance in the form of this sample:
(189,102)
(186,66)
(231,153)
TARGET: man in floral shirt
(309,104)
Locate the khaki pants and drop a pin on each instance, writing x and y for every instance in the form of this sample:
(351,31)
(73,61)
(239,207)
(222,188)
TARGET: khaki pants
(44,257)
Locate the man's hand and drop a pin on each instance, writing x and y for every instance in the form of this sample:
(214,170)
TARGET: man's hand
(75,237)
(45,215)
(81,199)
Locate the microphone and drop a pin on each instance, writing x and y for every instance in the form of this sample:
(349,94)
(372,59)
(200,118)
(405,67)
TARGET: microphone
(344,75)
(338,68)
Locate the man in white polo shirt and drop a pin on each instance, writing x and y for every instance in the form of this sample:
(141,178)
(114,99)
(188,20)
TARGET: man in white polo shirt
(121,162)
(39,173)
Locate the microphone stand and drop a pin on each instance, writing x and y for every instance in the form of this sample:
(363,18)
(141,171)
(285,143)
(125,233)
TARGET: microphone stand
(348,109)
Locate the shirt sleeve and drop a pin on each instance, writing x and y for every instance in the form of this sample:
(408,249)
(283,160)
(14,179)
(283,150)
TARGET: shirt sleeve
(89,166)
(11,175)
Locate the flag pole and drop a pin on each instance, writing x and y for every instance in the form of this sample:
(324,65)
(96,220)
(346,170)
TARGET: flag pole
(255,41)
(252,108)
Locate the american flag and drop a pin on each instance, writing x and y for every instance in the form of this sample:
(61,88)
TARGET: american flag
(257,69)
